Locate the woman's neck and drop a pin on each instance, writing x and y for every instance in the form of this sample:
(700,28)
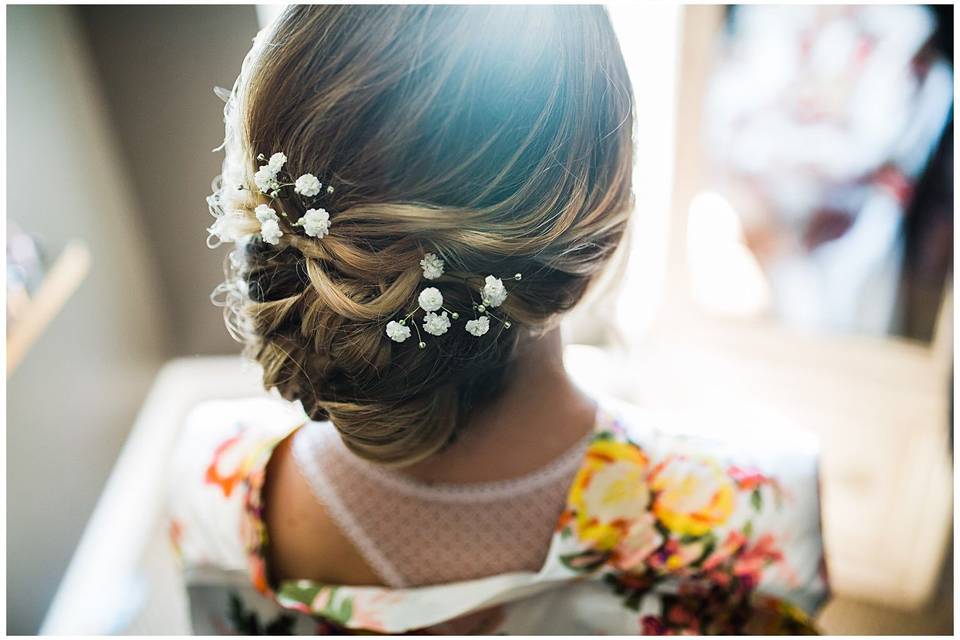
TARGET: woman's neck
(540,415)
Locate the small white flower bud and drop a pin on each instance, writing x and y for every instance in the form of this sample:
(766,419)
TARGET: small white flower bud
(315,222)
(276,162)
(307,185)
(494,293)
(397,332)
(430,299)
(479,326)
(270,231)
(432,266)
(436,325)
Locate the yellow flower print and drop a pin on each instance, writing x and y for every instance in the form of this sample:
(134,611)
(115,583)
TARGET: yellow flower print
(609,492)
(692,494)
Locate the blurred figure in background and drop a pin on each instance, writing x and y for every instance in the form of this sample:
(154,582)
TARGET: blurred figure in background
(822,122)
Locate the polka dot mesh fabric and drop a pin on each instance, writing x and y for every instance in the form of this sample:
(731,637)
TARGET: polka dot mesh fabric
(415,534)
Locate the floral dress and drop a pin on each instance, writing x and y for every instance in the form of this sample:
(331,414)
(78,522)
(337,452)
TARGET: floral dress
(664,532)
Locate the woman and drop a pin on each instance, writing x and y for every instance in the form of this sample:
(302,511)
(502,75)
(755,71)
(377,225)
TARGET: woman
(417,195)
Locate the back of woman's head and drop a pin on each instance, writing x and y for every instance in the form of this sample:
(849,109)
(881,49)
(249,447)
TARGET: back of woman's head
(497,138)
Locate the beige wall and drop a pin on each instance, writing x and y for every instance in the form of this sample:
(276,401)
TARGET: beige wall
(72,399)
(111,118)
(157,67)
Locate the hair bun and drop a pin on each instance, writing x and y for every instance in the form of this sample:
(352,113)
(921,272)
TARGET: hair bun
(415,118)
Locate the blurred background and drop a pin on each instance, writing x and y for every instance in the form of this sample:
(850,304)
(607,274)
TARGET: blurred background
(790,266)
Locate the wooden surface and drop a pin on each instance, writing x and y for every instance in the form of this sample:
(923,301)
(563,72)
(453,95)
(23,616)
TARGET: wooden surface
(35,313)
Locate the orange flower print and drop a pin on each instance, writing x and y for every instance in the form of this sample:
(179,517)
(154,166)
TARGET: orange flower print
(754,559)
(730,546)
(258,574)
(227,481)
(747,479)
(750,479)
(226,470)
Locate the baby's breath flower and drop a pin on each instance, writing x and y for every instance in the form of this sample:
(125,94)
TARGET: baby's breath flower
(315,222)
(266,179)
(430,299)
(276,162)
(494,293)
(397,332)
(432,266)
(479,326)
(436,325)
(270,231)
(264,213)
(307,185)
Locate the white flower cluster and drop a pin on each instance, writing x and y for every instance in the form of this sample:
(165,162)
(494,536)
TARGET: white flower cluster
(492,295)
(430,299)
(315,223)
(269,224)
(397,332)
(266,175)
(479,326)
(307,185)
(432,266)
(268,181)
(436,325)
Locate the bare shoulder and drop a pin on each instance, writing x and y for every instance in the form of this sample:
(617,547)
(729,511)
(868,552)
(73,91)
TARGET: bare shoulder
(305,542)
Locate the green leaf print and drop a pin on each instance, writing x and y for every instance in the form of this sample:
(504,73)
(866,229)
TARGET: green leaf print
(303,592)
(338,611)
(709,544)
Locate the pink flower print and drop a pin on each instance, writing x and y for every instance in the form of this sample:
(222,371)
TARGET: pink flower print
(641,539)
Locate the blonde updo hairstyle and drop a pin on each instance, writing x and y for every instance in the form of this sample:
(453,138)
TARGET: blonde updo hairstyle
(497,137)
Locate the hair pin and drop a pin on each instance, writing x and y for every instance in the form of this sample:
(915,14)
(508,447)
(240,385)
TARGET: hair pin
(437,318)
(271,179)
